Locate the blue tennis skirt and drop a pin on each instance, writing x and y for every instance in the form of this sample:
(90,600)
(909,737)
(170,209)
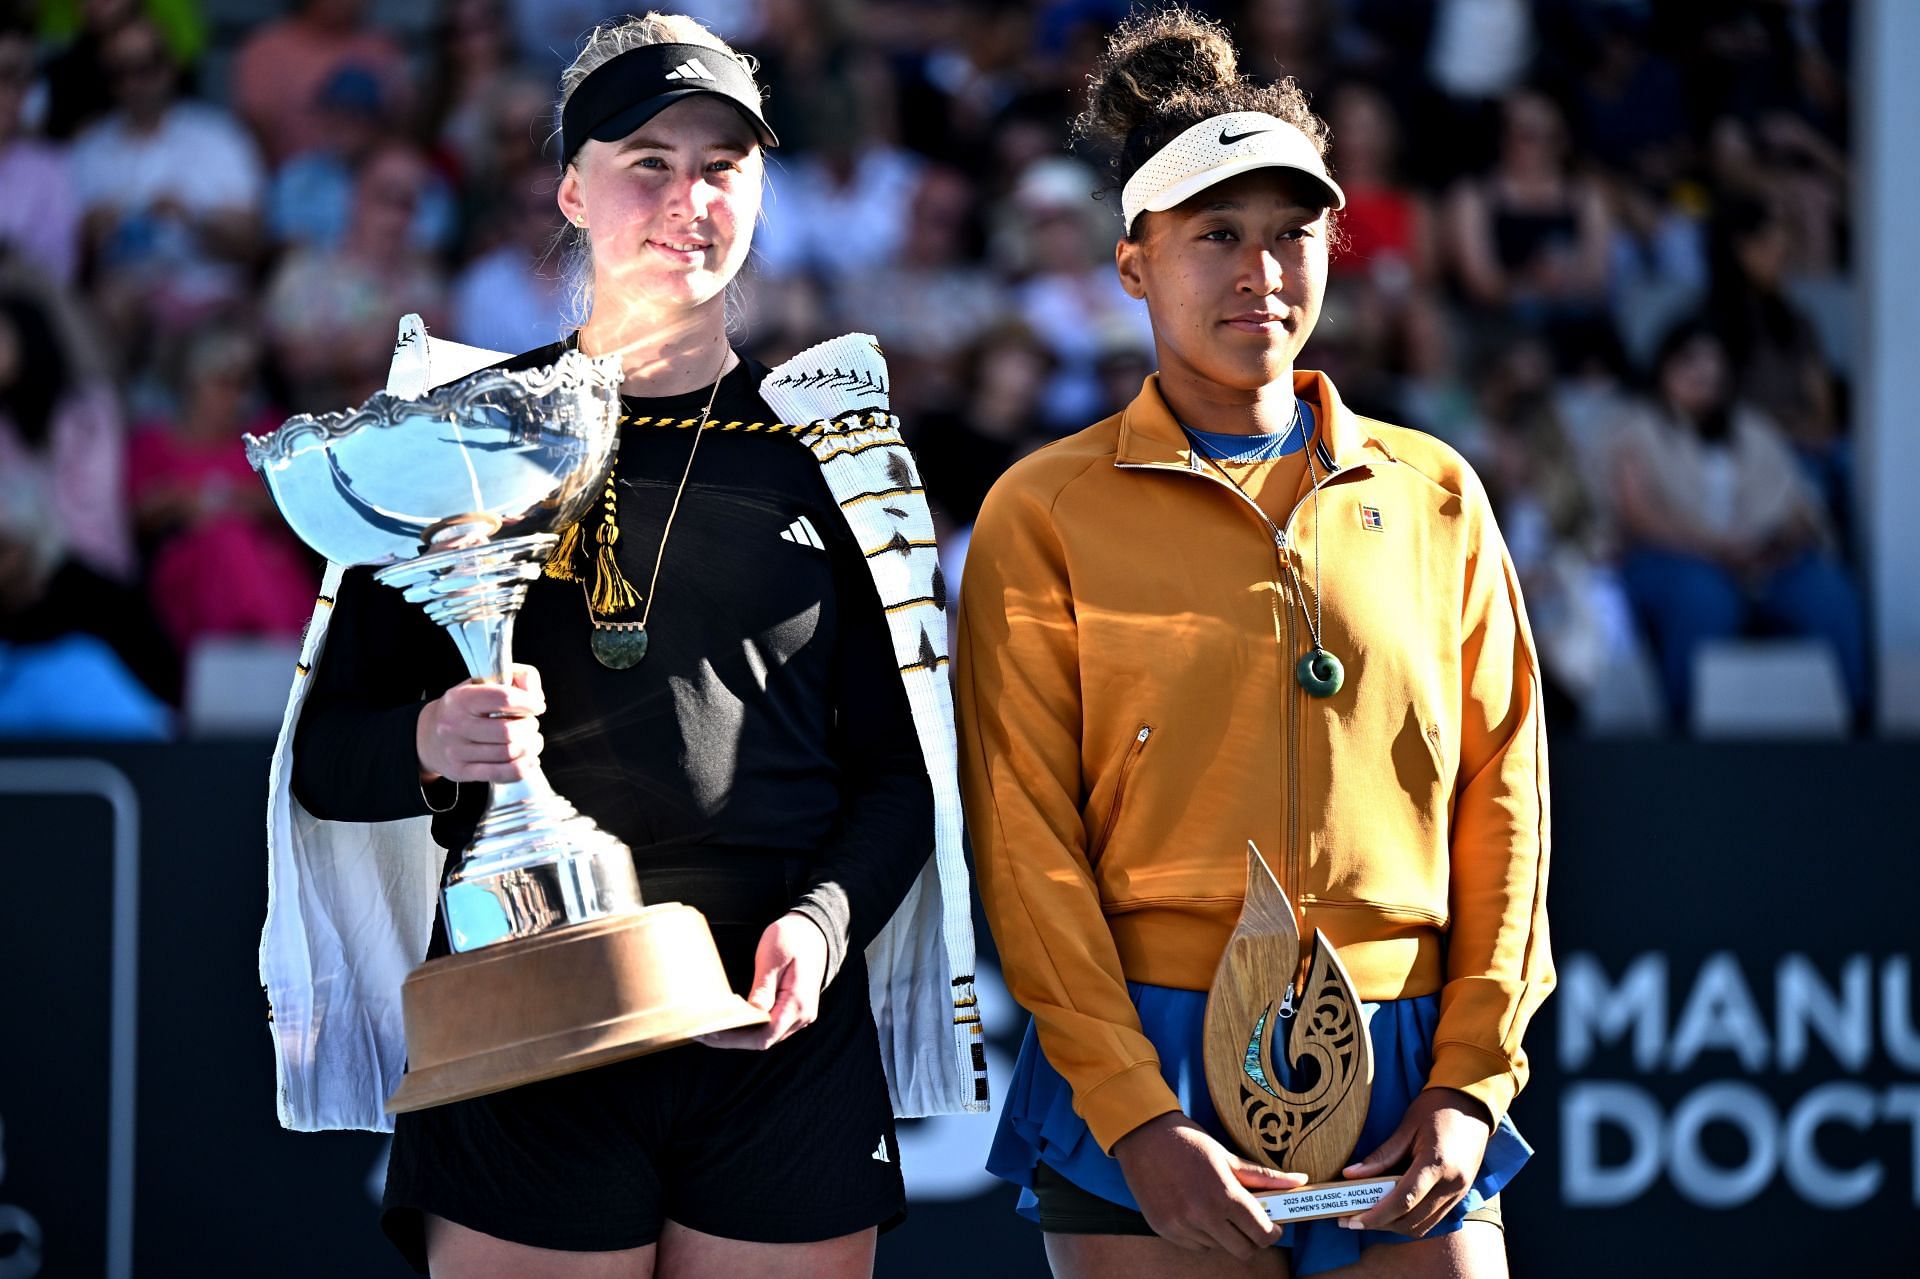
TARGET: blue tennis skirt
(1038,1123)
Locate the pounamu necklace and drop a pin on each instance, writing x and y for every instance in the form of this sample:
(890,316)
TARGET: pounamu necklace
(1318,671)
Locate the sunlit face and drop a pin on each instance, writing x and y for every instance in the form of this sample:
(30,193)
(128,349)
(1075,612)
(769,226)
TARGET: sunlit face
(669,207)
(1233,279)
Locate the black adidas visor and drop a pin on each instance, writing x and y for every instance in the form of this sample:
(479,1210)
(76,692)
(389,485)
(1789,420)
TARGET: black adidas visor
(625,92)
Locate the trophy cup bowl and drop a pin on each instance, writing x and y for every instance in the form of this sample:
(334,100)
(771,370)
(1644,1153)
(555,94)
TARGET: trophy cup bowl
(454,497)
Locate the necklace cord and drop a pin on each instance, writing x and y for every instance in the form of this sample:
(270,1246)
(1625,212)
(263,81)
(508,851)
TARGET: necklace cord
(1306,448)
(659,556)
(1314,479)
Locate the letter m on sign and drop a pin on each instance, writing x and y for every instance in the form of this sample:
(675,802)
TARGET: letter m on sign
(1593,1011)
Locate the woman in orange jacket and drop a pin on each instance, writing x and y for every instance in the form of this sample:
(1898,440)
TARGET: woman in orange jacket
(1237,611)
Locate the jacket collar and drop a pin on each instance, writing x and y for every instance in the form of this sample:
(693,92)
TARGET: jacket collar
(1150,435)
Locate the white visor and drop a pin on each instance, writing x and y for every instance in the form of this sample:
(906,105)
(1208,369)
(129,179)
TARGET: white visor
(1217,149)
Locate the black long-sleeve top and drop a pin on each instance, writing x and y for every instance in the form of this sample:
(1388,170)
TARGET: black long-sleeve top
(765,737)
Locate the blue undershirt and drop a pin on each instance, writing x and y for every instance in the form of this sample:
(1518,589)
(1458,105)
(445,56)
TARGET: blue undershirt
(1257,448)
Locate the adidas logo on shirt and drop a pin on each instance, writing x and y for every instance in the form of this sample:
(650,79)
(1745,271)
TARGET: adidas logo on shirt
(803,532)
(691,69)
(880,1151)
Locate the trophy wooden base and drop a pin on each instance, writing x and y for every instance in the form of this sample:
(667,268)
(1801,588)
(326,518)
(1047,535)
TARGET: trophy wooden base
(581,996)
(1326,1199)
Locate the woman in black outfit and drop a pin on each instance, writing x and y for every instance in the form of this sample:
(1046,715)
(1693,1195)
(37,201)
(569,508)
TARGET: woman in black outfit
(761,758)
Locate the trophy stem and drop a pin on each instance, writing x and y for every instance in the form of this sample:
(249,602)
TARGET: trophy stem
(535,864)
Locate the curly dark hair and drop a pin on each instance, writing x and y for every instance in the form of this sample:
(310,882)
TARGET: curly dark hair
(1164,72)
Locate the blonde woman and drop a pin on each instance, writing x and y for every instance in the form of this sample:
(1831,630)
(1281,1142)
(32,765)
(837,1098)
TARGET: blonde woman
(711,675)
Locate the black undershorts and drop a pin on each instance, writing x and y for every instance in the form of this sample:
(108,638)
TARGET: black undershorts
(792,1145)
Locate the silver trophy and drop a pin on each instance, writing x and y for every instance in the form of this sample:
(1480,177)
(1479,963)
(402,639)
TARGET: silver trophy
(557,965)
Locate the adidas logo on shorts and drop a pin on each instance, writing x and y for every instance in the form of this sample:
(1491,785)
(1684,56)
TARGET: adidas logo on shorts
(880,1151)
(803,532)
(691,69)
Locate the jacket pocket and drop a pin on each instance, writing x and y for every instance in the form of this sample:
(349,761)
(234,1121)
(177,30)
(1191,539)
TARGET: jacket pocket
(1114,809)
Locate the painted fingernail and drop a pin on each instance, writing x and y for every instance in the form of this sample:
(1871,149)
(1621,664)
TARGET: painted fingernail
(1351,1223)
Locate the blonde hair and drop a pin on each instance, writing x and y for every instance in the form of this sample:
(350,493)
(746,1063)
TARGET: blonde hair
(606,42)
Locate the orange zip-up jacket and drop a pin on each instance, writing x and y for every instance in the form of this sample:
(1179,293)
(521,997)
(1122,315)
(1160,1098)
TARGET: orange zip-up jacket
(1129,719)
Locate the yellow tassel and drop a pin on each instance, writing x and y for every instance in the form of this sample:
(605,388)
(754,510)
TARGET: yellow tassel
(560,560)
(612,593)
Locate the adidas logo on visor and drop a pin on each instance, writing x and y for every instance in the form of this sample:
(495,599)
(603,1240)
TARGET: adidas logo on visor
(691,69)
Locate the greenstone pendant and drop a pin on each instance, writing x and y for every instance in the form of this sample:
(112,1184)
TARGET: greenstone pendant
(618,645)
(1320,673)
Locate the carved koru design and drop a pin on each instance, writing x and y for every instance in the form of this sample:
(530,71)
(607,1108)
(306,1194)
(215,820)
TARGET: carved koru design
(1310,1123)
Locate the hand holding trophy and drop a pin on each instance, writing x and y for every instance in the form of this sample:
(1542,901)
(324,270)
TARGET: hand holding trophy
(456,496)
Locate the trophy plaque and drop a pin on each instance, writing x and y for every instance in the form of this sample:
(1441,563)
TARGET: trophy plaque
(1310,1122)
(454,497)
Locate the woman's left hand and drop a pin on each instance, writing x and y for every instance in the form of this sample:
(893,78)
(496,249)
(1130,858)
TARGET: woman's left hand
(789,968)
(1445,1135)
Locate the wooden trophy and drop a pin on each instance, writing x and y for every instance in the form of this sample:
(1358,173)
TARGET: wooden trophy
(1309,1125)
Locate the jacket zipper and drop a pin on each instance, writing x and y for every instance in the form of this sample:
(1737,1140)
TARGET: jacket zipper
(1291,690)
(1120,787)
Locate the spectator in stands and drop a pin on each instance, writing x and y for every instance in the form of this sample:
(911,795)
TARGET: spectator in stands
(222,561)
(1448,65)
(1480,49)
(513,298)
(1070,298)
(1123,365)
(843,208)
(1721,529)
(39,217)
(311,200)
(472,55)
(516,113)
(1530,237)
(1553,523)
(979,68)
(60,419)
(331,314)
(71,640)
(1383,270)
(79,87)
(936,298)
(1386,228)
(278,73)
(1775,347)
(1291,38)
(1630,107)
(172,191)
(1003,377)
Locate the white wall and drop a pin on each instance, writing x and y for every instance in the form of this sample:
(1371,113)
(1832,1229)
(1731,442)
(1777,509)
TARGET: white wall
(1887,206)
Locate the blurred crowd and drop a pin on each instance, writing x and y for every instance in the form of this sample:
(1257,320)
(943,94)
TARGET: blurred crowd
(1600,246)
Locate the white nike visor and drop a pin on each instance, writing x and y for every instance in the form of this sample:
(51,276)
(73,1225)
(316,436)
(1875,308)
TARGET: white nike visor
(1219,148)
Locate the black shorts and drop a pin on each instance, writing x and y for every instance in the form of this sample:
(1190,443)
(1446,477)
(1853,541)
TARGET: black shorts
(792,1145)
